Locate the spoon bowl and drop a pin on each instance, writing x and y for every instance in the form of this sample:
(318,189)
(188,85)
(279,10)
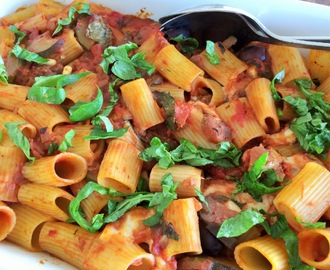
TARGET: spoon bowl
(218,22)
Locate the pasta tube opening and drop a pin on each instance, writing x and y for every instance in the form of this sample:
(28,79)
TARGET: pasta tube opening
(253,259)
(314,247)
(7,220)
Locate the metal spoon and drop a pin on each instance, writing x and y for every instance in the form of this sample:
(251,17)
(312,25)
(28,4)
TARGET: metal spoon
(218,22)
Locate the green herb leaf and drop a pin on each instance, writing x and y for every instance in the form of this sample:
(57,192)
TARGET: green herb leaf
(85,9)
(49,89)
(240,223)
(159,151)
(210,53)
(311,127)
(3,72)
(20,35)
(123,66)
(186,44)
(24,54)
(117,209)
(201,197)
(85,110)
(67,142)
(98,133)
(316,225)
(227,155)
(52,148)
(18,138)
(103,116)
(277,79)
(251,183)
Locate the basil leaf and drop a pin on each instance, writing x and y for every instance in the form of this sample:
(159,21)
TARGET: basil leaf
(49,89)
(312,126)
(117,209)
(67,142)
(21,35)
(186,44)
(3,72)
(123,66)
(98,133)
(251,183)
(201,197)
(103,116)
(24,54)
(18,138)
(240,223)
(277,79)
(159,151)
(227,155)
(168,104)
(85,110)
(85,9)
(210,53)
(316,225)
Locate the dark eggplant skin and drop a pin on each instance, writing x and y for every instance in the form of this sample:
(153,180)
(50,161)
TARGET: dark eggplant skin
(252,52)
(211,245)
(206,263)
(53,49)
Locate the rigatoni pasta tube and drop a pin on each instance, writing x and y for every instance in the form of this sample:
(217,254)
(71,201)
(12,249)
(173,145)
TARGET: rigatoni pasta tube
(12,95)
(202,84)
(188,177)
(120,167)
(140,102)
(238,115)
(43,115)
(289,59)
(90,150)
(108,255)
(262,253)
(66,241)
(175,92)
(83,90)
(318,64)
(7,220)
(12,161)
(27,227)
(314,247)
(50,200)
(60,170)
(306,197)
(176,68)
(182,214)
(228,69)
(260,96)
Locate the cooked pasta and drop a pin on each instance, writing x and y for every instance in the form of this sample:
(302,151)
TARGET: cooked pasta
(123,148)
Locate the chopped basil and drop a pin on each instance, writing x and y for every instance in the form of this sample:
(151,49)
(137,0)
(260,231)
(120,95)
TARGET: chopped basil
(103,115)
(85,9)
(227,155)
(3,72)
(240,223)
(277,79)
(18,138)
(210,53)
(85,110)
(124,66)
(252,182)
(20,35)
(117,209)
(316,225)
(186,44)
(49,89)
(67,141)
(168,104)
(24,54)
(100,134)
(311,127)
